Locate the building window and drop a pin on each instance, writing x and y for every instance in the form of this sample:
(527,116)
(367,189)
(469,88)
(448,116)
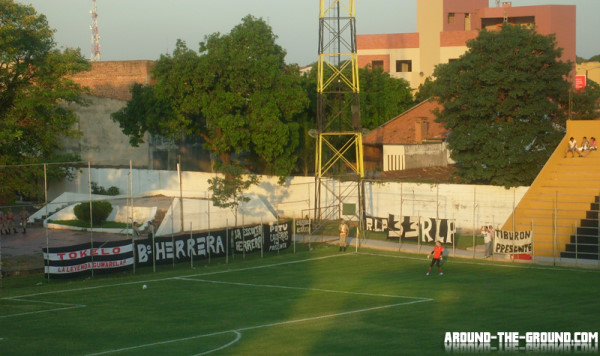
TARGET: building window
(404,66)
(451,17)
(467,22)
(377,65)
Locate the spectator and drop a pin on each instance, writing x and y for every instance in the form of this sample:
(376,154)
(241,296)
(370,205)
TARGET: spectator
(585,145)
(24,217)
(593,146)
(572,148)
(11,221)
(4,223)
(490,247)
(343,229)
(136,231)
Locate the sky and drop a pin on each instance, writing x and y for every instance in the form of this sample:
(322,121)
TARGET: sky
(145,29)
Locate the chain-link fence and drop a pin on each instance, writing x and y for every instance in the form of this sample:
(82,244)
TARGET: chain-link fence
(176,205)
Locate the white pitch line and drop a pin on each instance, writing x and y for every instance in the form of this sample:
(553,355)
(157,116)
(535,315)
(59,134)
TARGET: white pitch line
(237,338)
(492,263)
(75,306)
(262,326)
(66,307)
(301,288)
(163,342)
(171,278)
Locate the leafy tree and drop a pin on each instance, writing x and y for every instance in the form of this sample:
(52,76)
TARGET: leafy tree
(34,86)
(382,97)
(501,102)
(595,58)
(585,102)
(228,190)
(425,91)
(237,93)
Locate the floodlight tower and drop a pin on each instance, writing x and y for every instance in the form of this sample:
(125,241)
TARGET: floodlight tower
(95,55)
(339,149)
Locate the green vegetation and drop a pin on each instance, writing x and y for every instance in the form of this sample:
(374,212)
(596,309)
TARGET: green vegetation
(505,101)
(34,88)
(100,211)
(98,189)
(310,303)
(228,190)
(237,93)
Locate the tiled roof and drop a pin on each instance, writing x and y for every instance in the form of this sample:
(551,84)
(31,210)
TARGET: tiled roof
(401,130)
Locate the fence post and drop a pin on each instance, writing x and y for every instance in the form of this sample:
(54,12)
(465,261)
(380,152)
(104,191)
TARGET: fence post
(474,213)
(226,241)
(1,262)
(172,233)
(419,234)
(554,227)
(153,249)
(47,262)
(532,242)
(131,206)
(576,244)
(91,218)
(191,252)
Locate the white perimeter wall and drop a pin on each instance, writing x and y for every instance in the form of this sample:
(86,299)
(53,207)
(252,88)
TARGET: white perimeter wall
(470,205)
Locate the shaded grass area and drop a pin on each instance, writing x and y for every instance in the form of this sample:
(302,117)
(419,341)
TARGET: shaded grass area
(318,302)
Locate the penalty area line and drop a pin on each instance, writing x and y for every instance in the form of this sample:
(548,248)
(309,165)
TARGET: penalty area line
(65,306)
(172,278)
(237,331)
(301,288)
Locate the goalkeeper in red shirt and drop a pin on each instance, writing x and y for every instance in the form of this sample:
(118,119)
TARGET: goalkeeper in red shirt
(437,257)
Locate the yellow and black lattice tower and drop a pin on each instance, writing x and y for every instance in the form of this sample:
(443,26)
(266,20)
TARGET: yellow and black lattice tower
(339,149)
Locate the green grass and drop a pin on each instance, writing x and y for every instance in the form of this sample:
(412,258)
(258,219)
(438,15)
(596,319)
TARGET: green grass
(318,302)
(86,224)
(461,241)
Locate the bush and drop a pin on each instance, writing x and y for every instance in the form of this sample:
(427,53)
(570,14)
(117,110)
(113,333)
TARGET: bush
(113,191)
(100,211)
(97,189)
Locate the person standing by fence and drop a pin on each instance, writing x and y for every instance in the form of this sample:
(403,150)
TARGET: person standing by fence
(24,217)
(343,229)
(487,240)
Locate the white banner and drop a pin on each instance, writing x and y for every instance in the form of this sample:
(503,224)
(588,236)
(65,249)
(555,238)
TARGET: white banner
(87,266)
(517,242)
(87,252)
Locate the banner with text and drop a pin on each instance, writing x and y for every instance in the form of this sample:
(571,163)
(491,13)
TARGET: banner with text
(79,260)
(513,242)
(430,229)
(72,261)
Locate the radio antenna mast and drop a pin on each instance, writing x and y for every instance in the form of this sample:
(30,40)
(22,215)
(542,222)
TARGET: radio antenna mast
(95,55)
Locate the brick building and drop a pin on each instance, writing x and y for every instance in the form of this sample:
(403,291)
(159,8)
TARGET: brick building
(444,27)
(413,139)
(102,141)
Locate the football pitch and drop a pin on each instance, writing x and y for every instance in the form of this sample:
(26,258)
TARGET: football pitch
(319,302)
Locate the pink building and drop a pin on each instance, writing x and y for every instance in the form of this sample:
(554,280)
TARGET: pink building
(444,27)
